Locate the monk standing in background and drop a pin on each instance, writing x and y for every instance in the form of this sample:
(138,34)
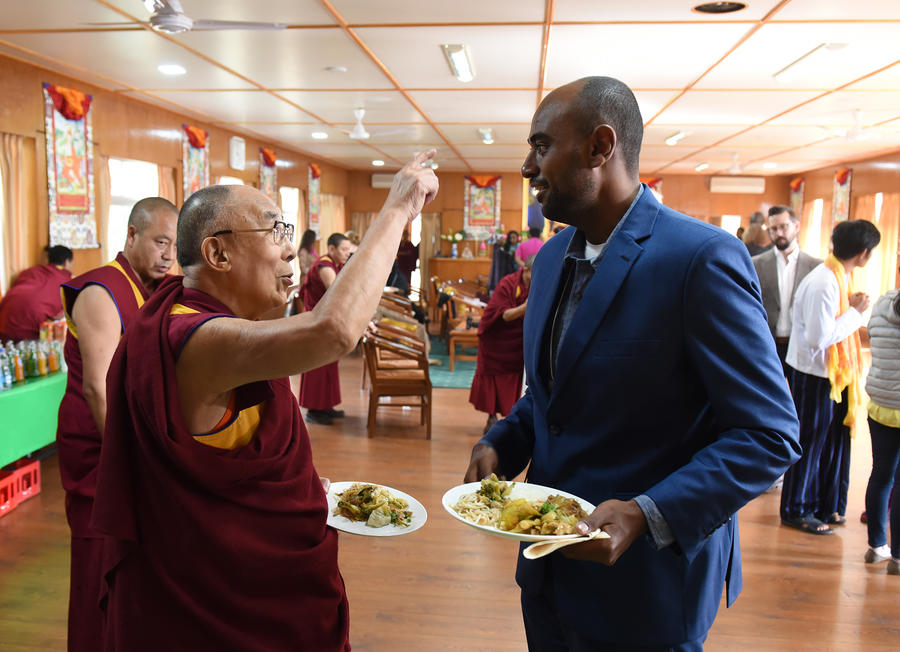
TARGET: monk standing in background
(206,488)
(497,384)
(320,389)
(34,297)
(99,305)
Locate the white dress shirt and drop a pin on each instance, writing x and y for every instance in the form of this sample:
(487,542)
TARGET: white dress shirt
(787,272)
(815,325)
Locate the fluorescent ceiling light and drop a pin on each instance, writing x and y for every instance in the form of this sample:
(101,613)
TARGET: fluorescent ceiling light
(769,165)
(701,167)
(787,74)
(171,69)
(378,163)
(674,138)
(458,58)
(319,135)
(487,135)
(335,68)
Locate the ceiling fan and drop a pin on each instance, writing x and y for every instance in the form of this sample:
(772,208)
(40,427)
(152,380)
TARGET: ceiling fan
(167,16)
(854,133)
(359,131)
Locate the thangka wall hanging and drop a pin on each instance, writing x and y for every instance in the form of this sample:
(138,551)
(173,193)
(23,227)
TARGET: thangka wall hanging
(194,159)
(70,167)
(841,202)
(313,196)
(481,207)
(267,173)
(797,186)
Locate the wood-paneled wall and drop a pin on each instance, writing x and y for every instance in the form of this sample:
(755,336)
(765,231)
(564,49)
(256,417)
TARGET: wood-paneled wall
(126,127)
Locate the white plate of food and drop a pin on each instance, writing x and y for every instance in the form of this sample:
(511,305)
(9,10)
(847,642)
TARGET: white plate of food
(517,510)
(395,512)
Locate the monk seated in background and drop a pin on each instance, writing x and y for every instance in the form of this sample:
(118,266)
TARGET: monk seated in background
(206,487)
(34,296)
(497,384)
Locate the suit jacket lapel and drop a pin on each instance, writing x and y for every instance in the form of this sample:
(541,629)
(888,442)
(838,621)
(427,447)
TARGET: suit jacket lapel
(621,254)
(545,286)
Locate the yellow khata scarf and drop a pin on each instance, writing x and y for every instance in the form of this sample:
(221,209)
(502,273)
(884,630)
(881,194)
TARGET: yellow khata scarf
(844,359)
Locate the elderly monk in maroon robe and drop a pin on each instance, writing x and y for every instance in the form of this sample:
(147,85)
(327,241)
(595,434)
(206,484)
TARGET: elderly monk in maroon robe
(320,389)
(34,297)
(206,488)
(497,384)
(99,307)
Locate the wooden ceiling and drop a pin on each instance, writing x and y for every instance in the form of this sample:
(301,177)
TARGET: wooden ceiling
(710,77)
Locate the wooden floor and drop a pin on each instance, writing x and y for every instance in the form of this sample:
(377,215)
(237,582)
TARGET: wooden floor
(447,587)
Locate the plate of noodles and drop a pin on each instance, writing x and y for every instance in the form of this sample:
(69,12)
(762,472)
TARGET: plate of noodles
(373,510)
(517,510)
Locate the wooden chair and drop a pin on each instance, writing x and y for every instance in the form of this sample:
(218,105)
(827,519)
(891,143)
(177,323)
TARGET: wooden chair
(390,360)
(407,384)
(461,334)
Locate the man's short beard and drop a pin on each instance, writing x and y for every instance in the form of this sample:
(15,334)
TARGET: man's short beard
(787,245)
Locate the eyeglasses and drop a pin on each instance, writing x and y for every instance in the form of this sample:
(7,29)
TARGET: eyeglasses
(281,231)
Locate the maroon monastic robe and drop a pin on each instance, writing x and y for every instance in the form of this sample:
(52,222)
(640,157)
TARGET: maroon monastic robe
(32,299)
(78,443)
(320,389)
(209,549)
(497,384)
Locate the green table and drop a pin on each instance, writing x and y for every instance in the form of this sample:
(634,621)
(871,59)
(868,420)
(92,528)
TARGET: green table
(28,416)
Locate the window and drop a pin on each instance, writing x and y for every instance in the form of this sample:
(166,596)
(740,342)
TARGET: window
(129,182)
(229,181)
(290,206)
(812,241)
(731,223)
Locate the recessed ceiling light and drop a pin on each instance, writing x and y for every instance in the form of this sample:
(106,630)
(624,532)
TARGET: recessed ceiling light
(458,59)
(720,7)
(319,135)
(674,138)
(487,135)
(701,167)
(171,69)
(335,68)
(787,74)
(770,165)
(378,163)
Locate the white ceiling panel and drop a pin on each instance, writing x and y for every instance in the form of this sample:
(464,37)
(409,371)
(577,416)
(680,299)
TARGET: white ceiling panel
(748,107)
(642,56)
(782,136)
(494,151)
(697,135)
(291,58)
(291,12)
(439,11)
(497,165)
(39,60)
(869,46)
(836,109)
(334,106)
(52,14)
(591,10)
(419,62)
(886,80)
(476,106)
(347,148)
(503,133)
(236,106)
(129,57)
(839,10)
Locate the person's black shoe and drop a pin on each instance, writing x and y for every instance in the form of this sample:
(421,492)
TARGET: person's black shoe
(334,414)
(319,416)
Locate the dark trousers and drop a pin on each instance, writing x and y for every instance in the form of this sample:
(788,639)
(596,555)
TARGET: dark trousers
(817,484)
(781,346)
(885,474)
(545,631)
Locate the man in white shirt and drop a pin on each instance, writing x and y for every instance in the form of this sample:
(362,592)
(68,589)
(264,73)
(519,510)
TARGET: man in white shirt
(780,270)
(826,317)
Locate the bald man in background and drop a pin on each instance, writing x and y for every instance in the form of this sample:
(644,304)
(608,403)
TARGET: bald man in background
(99,306)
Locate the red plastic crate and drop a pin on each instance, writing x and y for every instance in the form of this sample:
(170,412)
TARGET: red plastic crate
(9,491)
(29,475)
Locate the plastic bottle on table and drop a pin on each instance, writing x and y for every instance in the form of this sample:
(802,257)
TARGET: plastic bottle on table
(41,358)
(5,380)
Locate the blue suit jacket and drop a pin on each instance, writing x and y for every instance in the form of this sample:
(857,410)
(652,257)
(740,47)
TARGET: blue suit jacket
(668,384)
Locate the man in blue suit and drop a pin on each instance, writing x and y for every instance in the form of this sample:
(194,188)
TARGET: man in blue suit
(655,391)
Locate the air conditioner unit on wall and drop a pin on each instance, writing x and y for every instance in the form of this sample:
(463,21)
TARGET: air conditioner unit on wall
(382,180)
(738,185)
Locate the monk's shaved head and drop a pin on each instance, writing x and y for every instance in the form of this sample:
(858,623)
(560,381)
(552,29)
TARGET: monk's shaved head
(142,212)
(201,216)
